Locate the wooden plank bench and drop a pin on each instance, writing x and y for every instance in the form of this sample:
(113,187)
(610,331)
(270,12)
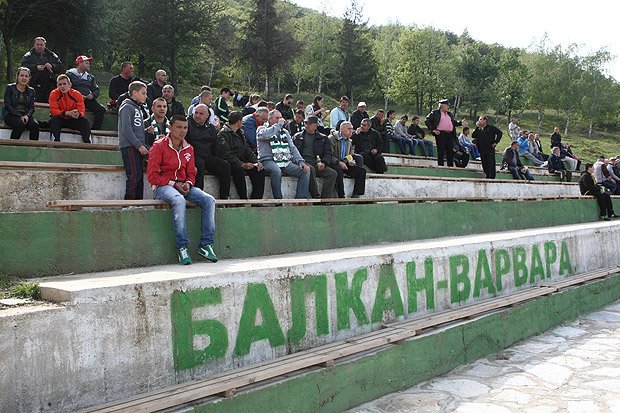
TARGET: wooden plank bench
(226,384)
(53,144)
(78,205)
(67,167)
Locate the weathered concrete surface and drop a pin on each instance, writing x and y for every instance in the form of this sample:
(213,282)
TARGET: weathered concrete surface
(116,239)
(29,190)
(351,382)
(573,368)
(129,332)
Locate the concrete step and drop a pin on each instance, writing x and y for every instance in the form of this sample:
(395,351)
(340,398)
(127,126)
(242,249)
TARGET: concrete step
(539,175)
(34,184)
(130,332)
(57,242)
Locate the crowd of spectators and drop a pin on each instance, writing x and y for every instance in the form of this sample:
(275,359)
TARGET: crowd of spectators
(265,139)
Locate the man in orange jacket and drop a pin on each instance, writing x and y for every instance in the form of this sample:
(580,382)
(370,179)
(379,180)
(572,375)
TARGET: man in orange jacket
(67,110)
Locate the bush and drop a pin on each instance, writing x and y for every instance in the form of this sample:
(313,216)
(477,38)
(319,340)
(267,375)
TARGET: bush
(26,290)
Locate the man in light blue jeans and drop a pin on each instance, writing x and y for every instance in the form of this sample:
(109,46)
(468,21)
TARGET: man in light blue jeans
(172,173)
(279,155)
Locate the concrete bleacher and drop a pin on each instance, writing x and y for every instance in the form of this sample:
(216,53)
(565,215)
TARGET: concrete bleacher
(333,273)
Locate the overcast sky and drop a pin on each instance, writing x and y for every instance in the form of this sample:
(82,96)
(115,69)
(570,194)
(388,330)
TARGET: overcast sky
(513,24)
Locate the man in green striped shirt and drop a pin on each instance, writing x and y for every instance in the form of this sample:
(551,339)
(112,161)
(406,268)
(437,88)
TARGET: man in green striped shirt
(279,156)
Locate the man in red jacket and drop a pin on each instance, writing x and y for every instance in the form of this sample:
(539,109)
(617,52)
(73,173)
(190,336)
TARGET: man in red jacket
(172,172)
(67,110)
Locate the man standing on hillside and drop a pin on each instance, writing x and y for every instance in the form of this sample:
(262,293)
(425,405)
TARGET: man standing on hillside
(442,125)
(84,83)
(486,137)
(154,89)
(44,66)
(220,106)
(119,84)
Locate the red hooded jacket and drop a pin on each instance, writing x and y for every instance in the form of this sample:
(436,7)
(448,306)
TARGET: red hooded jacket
(65,102)
(167,166)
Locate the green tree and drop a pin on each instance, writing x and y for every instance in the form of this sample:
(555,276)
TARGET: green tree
(267,46)
(424,70)
(383,50)
(477,66)
(600,98)
(509,85)
(357,64)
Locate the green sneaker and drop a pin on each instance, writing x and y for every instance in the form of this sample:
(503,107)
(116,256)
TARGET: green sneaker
(207,252)
(184,257)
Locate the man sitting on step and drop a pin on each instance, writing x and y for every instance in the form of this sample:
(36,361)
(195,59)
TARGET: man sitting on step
(512,161)
(369,144)
(172,173)
(67,110)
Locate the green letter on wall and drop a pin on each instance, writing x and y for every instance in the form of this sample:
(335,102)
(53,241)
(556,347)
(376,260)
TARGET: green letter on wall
(458,295)
(299,289)
(257,299)
(184,329)
(519,265)
(349,299)
(387,282)
(414,285)
(565,265)
(486,281)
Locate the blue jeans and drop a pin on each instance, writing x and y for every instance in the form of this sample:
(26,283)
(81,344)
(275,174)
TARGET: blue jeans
(473,150)
(274,172)
(199,198)
(429,147)
(517,174)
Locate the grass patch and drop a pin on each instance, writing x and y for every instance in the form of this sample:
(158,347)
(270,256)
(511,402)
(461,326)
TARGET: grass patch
(26,290)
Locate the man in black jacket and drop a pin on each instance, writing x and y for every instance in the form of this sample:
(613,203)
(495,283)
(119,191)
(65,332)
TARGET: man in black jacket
(442,125)
(369,144)
(285,108)
(486,137)
(233,148)
(203,137)
(174,106)
(588,187)
(84,82)
(556,166)
(358,115)
(119,84)
(154,89)
(44,66)
(516,168)
(316,150)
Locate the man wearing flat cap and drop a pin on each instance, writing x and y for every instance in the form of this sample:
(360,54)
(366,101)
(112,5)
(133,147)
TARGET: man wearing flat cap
(84,83)
(358,115)
(316,150)
(442,125)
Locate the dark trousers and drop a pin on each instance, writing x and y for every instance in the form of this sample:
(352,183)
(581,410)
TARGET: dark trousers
(132,161)
(445,148)
(359,174)
(214,166)
(605,206)
(81,124)
(98,112)
(487,158)
(375,162)
(42,92)
(256,177)
(15,123)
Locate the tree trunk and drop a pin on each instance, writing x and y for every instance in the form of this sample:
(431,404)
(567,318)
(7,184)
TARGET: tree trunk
(567,122)
(8,47)
(174,70)
(541,115)
(141,66)
(590,128)
(320,81)
(386,100)
(211,73)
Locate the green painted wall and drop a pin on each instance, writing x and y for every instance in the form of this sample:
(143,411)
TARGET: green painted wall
(59,155)
(351,383)
(54,242)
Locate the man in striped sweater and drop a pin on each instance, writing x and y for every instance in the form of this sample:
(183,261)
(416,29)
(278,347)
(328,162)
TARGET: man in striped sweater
(280,156)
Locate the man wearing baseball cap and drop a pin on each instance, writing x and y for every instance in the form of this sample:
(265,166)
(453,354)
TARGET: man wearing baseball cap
(84,82)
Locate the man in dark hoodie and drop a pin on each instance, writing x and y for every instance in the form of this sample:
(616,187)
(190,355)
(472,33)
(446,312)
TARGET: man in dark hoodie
(44,66)
(131,139)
